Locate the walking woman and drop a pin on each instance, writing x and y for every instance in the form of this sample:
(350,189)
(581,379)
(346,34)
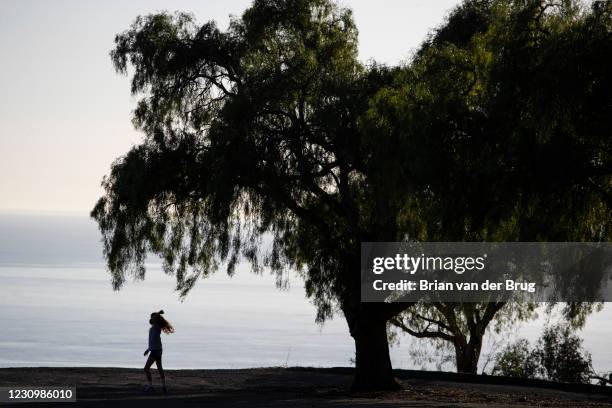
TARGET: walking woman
(158,324)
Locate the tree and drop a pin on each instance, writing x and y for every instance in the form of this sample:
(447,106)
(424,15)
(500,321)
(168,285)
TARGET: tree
(254,131)
(274,127)
(561,357)
(506,135)
(557,356)
(503,116)
(516,360)
(461,325)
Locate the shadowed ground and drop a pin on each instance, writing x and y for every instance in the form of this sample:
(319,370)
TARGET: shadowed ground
(300,387)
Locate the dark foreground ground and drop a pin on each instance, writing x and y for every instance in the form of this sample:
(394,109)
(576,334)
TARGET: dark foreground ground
(299,388)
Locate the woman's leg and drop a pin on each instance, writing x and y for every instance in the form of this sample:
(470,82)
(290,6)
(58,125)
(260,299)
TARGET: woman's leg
(158,362)
(147,367)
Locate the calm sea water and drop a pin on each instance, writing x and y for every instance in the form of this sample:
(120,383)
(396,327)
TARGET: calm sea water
(57,308)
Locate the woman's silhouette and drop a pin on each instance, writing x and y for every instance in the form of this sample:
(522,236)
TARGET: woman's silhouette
(158,324)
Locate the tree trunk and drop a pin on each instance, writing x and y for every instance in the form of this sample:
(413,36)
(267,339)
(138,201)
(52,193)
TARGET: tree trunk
(467,355)
(372,362)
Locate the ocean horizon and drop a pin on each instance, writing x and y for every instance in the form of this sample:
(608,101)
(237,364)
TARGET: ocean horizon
(58,308)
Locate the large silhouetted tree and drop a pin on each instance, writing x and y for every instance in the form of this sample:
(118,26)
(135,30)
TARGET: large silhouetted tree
(274,127)
(250,131)
(506,116)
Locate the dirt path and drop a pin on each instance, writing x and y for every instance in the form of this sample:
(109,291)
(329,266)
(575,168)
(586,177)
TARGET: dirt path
(291,387)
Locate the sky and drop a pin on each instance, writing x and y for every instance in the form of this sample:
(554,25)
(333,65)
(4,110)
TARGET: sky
(65,114)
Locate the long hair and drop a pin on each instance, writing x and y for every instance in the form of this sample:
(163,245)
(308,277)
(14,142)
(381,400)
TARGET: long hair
(158,319)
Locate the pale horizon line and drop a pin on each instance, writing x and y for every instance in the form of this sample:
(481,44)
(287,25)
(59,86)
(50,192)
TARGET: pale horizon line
(66,213)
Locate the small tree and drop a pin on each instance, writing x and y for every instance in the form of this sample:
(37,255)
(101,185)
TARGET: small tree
(557,356)
(561,357)
(462,325)
(516,360)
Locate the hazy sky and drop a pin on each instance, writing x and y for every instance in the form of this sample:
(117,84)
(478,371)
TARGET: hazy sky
(64,112)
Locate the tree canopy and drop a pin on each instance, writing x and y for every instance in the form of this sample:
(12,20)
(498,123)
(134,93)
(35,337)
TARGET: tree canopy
(250,131)
(498,129)
(505,116)
(507,132)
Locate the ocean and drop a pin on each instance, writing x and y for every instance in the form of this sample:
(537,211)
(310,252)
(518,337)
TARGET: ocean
(58,308)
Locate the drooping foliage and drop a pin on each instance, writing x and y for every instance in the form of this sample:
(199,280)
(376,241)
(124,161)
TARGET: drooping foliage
(504,119)
(248,131)
(498,129)
(507,134)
